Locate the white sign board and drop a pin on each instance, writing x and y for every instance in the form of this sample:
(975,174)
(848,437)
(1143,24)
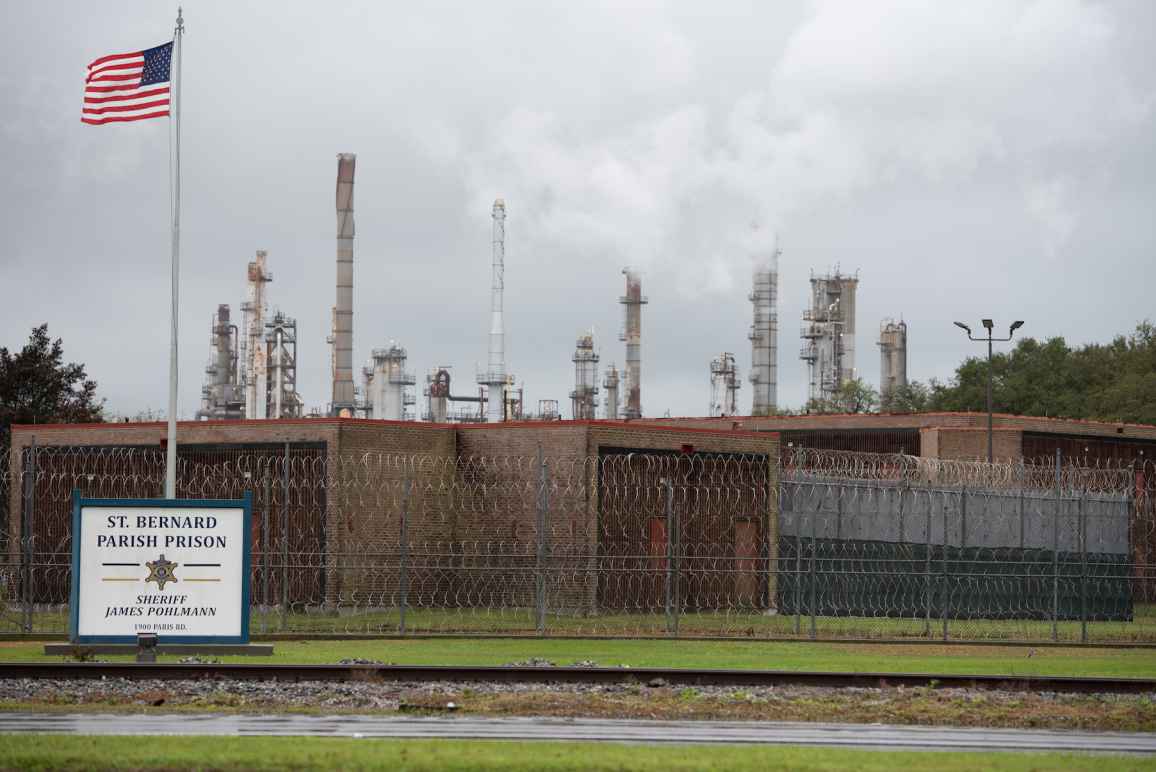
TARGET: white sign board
(179,569)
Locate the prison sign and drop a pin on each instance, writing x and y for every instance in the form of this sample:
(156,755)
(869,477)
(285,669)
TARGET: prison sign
(176,568)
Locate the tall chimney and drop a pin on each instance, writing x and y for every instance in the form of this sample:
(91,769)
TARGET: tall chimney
(495,378)
(632,334)
(343,396)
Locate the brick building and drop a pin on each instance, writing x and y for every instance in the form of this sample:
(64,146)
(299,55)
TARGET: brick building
(948,435)
(331,495)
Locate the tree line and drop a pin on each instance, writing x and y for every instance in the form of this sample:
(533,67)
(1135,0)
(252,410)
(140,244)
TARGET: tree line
(1113,381)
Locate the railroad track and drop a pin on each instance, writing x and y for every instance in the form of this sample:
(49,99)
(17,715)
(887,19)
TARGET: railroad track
(583,675)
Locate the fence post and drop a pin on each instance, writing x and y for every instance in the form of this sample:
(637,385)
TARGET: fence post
(1056,554)
(26,531)
(540,561)
(927,571)
(403,569)
(946,573)
(839,514)
(671,557)
(285,540)
(798,574)
(811,568)
(1083,567)
(1023,486)
(266,548)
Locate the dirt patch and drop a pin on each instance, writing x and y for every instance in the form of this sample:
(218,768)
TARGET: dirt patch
(955,707)
(655,699)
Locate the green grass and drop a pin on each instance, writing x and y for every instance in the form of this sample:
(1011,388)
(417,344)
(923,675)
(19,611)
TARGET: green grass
(521,621)
(86,752)
(776,655)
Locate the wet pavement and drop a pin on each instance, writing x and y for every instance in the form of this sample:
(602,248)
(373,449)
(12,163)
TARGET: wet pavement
(585,729)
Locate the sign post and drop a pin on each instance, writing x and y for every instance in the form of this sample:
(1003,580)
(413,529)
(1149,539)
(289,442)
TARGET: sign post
(175,568)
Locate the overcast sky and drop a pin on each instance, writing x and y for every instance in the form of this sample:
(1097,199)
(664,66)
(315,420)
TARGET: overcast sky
(968,159)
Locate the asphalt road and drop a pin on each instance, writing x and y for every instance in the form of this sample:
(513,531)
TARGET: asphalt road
(845,735)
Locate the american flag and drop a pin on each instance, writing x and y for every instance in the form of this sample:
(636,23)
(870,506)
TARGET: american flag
(128,87)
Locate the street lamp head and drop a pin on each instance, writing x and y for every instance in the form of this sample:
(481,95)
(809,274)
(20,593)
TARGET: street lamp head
(1015,326)
(963,327)
(987,324)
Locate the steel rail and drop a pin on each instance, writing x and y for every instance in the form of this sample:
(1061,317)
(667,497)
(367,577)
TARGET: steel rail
(582,675)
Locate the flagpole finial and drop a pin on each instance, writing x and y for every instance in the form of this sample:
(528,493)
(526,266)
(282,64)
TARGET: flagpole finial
(180,19)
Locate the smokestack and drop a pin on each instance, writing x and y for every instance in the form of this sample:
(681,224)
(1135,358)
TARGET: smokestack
(632,334)
(495,378)
(344,400)
(764,333)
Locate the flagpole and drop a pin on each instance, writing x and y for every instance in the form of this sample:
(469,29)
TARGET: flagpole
(171,445)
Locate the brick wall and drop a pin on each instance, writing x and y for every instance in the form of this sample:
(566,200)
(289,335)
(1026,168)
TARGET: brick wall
(971,444)
(468,522)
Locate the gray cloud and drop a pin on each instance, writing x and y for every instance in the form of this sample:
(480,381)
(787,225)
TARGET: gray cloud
(985,158)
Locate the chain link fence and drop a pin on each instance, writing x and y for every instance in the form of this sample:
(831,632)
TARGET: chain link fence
(816,544)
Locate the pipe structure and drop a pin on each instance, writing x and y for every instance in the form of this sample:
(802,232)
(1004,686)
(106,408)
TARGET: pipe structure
(633,301)
(893,359)
(255,376)
(724,385)
(219,397)
(390,383)
(610,383)
(495,378)
(281,356)
(344,400)
(584,398)
(828,334)
(764,334)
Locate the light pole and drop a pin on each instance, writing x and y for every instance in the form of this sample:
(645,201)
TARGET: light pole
(987,323)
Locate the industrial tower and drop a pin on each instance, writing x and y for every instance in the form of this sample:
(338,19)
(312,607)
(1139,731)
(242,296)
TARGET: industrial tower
(495,378)
(633,301)
(387,388)
(219,396)
(893,359)
(724,386)
(281,361)
(344,401)
(610,383)
(583,399)
(254,374)
(828,335)
(764,334)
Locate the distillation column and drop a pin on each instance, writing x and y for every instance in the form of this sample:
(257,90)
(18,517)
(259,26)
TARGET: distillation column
(632,335)
(344,400)
(724,386)
(390,383)
(219,398)
(255,375)
(495,378)
(828,334)
(893,359)
(281,359)
(764,334)
(610,383)
(583,399)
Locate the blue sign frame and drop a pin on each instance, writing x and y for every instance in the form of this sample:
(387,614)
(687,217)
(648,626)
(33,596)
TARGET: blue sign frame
(245,504)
